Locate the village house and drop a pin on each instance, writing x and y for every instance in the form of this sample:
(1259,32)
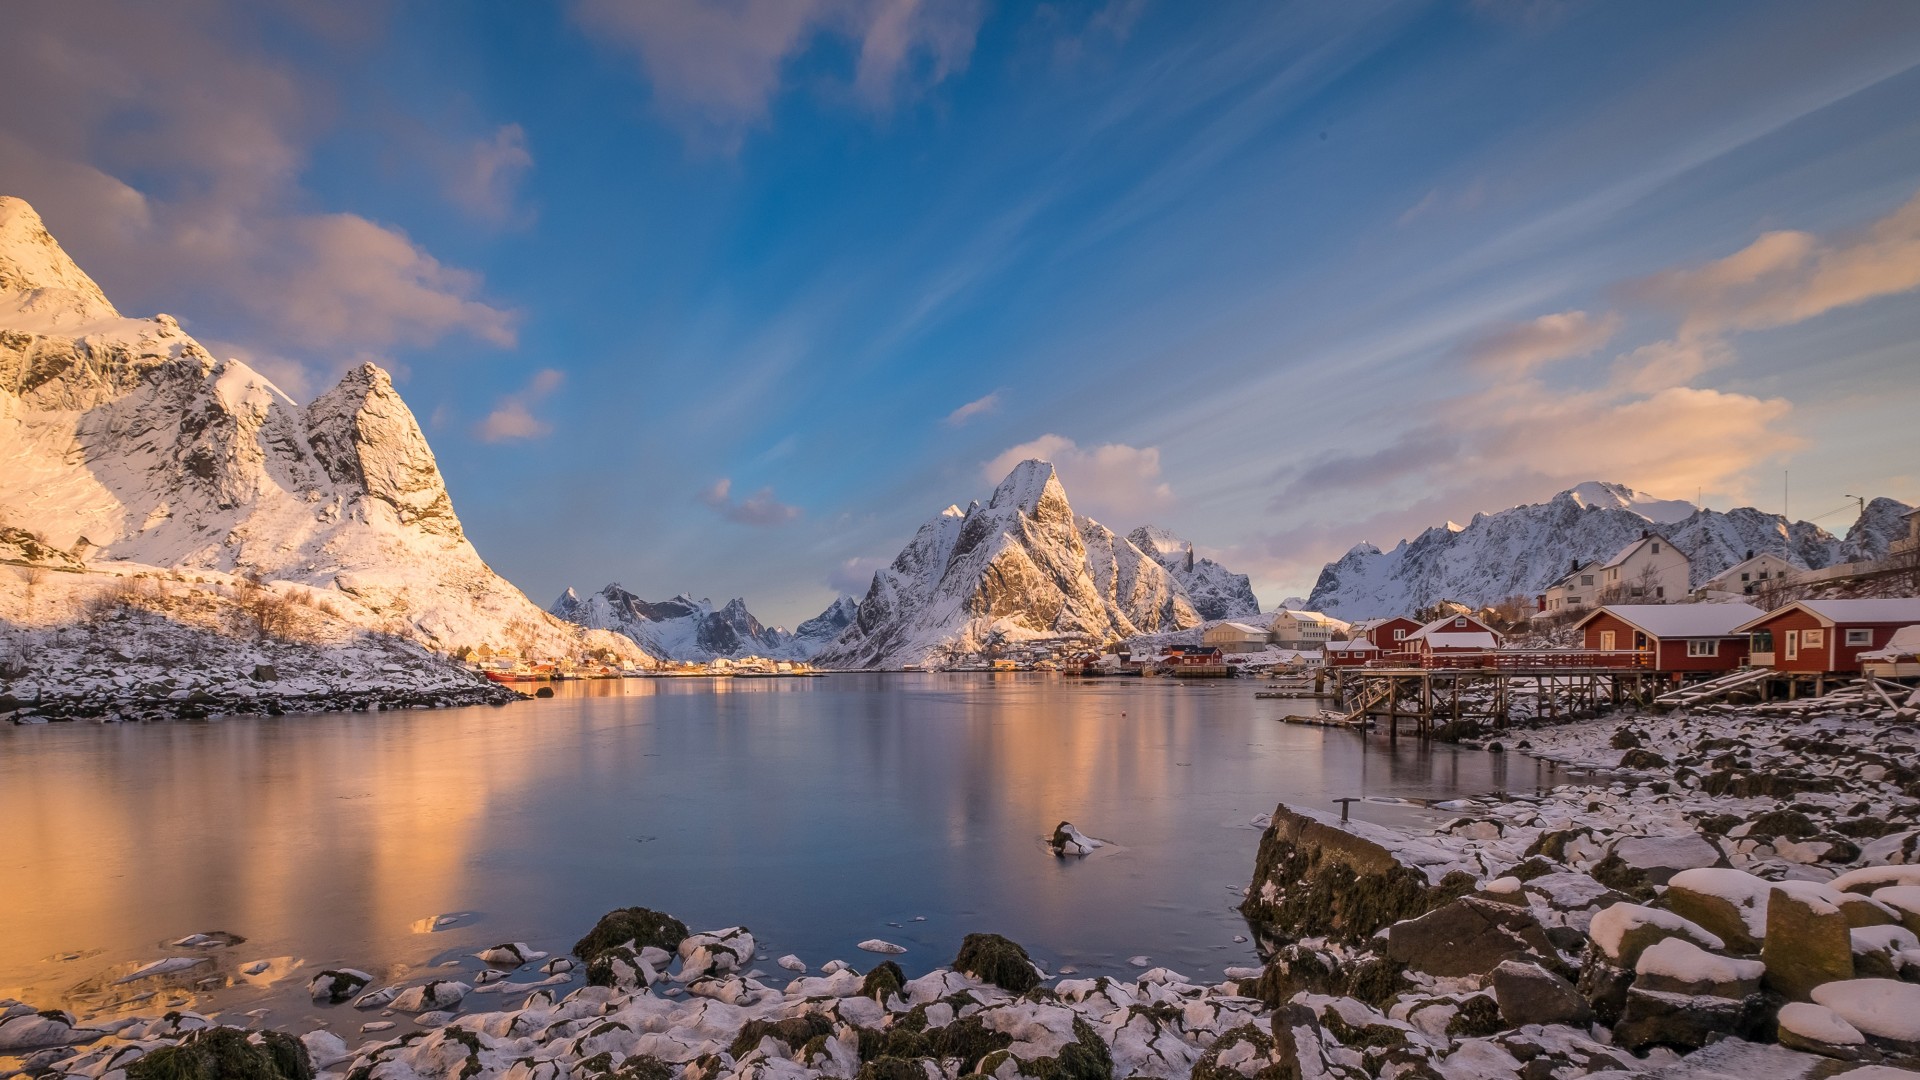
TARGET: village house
(1387,635)
(1650,570)
(1826,637)
(1579,591)
(1302,629)
(1350,653)
(1749,577)
(1234,637)
(1453,634)
(1899,658)
(1676,638)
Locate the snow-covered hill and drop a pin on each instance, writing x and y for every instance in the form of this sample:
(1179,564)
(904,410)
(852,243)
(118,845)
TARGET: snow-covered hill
(1215,591)
(694,630)
(1521,551)
(1022,566)
(127,444)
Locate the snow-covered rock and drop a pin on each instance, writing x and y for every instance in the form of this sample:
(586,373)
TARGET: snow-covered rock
(684,628)
(1213,590)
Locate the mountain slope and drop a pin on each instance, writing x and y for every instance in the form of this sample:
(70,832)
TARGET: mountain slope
(694,630)
(1521,551)
(1022,566)
(1215,591)
(130,445)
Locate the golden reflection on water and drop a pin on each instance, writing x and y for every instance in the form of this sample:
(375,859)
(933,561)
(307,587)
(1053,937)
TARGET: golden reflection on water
(818,811)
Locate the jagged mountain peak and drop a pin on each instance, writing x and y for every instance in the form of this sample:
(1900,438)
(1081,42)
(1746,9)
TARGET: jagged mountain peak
(1034,489)
(1611,496)
(33,262)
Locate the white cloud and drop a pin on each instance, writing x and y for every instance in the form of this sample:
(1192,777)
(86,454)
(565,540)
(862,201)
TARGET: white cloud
(1517,348)
(977,407)
(512,417)
(760,508)
(484,177)
(1113,482)
(715,66)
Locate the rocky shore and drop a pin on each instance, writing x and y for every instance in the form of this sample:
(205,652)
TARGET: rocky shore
(1730,893)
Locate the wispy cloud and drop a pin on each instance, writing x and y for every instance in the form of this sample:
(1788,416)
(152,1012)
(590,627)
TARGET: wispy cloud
(512,417)
(979,406)
(484,176)
(1517,348)
(1113,480)
(760,508)
(715,67)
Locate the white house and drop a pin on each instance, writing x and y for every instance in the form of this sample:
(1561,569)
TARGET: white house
(1749,577)
(1234,637)
(1649,571)
(1302,629)
(1578,592)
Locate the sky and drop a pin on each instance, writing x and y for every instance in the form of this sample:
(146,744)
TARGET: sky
(728,297)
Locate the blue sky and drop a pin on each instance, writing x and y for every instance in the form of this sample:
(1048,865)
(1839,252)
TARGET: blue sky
(728,297)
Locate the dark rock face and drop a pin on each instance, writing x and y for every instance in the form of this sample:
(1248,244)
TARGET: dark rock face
(1312,879)
(1530,994)
(1686,1022)
(997,960)
(642,926)
(1471,936)
(225,1053)
(1804,946)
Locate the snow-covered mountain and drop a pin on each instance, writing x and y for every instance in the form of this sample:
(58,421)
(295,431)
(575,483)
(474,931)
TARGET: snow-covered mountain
(1215,591)
(1022,566)
(127,444)
(1521,551)
(694,630)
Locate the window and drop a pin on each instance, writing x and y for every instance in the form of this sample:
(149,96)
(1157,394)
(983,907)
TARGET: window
(1813,639)
(1703,646)
(1399,633)
(1660,590)
(1860,637)
(1586,579)
(1573,601)
(1461,621)
(1656,548)
(1746,577)
(1763,641)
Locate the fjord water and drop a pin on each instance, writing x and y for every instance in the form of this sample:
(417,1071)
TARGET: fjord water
(817,812)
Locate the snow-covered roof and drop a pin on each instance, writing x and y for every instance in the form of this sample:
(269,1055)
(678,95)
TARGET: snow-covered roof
(1240,626)
(1679,620)
(1356,645)
(1764,558)
(1307,616)
(1445,623)
(1462,639)
(1905,609)
(1628,551)
(1905,642)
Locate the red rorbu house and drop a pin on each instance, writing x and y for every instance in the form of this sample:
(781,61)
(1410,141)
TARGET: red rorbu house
(1677,639)
(1826,637)
(1387,635)
(1456,634)
(1352,653)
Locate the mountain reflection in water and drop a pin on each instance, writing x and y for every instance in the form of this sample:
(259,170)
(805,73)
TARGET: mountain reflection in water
(818,812)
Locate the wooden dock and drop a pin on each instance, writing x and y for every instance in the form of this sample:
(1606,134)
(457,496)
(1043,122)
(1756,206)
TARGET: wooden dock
(1484,688)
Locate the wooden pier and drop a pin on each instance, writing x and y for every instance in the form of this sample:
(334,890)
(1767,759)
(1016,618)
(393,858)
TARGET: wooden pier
(1484,687)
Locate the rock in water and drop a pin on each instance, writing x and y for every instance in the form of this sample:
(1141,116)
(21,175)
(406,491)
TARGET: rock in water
(1313,878)
(997,960)
(1808,943)
(1068,840)
(876,945)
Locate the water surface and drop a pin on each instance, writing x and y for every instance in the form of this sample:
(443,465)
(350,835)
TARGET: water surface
(818,812)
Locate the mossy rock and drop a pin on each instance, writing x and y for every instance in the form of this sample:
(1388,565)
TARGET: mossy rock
(1615,873)
(997,960)
(1626,738)
(969,1040)
(1362,1036)
(1643,759)
(795,1031)
(224,1053)
(896,1068)
(1791,824)
(1312,879)
(1209,1067)
(1479,1016)
(1085,1058)
(642,926)
(885,979)
(874,1044)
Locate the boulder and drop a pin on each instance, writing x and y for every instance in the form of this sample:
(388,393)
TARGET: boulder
(1904,901)
(1807,943)
(1678,966)
(1067,840)
(1877,950)
(997,960)
(1658,858)
(1622,932)
(1817,1029)
(1470,936)
(637,927)
(1315,878)
(1887,1012)
(1530,994)
(1732,904)
(1685,1021)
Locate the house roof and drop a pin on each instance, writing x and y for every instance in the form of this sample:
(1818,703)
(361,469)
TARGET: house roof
(1763,558)
(1582,568)
(1905,642)
(1627,552)
(1903,610)
(1445,623)
(1356,645)
(1307,616)
(1678,620)
(1240,626)
(1462,639)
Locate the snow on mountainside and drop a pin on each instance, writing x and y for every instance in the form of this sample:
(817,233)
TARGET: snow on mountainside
(128,445)
(1022,566)
(1215,591)
(694,630)
(1523,550)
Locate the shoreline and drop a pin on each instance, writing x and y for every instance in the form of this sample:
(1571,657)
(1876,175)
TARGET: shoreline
(1676,815)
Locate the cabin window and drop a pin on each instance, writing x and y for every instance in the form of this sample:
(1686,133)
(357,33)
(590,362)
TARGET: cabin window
(1586,579)
(1703,646)
(1763,641)
(1746,577)
(1660,590)
(1656,549)
(1813,639)
(1399,633)
(1461,621)
(1862,636)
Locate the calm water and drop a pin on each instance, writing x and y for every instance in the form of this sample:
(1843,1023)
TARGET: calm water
(817,812)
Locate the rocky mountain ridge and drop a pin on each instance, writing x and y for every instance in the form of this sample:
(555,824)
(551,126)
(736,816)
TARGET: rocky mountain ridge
(1523,550)
(130,445)
(1024,566)
(687,629)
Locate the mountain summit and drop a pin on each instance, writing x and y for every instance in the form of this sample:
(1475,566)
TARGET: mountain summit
(130,445)
(1023,566)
